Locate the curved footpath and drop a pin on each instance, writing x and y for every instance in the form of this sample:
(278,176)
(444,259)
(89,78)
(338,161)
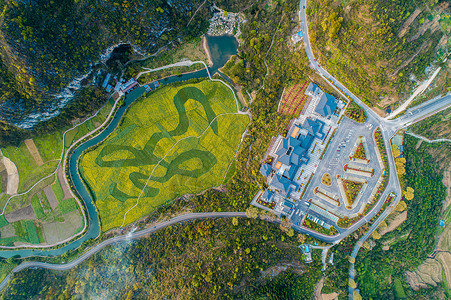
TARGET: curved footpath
(121,238)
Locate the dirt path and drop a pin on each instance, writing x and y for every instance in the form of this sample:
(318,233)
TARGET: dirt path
(405,26)
(318,288)
(34,152)
(13,176)
(64,186)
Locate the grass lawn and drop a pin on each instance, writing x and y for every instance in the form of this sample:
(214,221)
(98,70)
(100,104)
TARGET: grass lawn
(165,136)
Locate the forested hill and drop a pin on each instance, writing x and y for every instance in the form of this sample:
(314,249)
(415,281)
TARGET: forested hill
(46,44)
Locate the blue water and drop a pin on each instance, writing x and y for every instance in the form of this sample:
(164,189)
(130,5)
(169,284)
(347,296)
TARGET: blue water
(221,49)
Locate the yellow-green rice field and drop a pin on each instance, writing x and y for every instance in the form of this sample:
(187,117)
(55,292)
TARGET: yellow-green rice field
(175,141)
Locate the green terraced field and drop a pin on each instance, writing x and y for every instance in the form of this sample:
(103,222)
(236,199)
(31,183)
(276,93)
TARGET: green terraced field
(174,141)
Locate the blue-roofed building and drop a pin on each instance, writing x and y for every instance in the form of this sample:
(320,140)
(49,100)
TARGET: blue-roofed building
(287,207)
(267,195)
(265,170)
(300,34)
(281,183)
(107,79)
(326,105)
(311,89)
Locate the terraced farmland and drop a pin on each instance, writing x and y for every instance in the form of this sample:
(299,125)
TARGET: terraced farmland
(293,100)
(174,141)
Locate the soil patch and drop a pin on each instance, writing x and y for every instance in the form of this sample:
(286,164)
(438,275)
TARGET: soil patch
(51,197)
(333,296)
(58,231)
(25,213)
(207,51)
(13,176)
(398,220)
(64,186)
(34,152)
(405,26)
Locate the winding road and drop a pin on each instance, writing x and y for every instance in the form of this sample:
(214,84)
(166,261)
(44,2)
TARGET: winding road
(389,128)
(117,239)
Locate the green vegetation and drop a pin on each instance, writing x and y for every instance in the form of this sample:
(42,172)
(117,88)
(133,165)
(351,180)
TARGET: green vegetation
(418,232)
(48,44)
(37,207)
(191,49)
(352,190)
(373,47)
(31,232)
(400,293)
(58,190)
(355,112)
(186,137)
(210,259)
(3,221)
(68,205)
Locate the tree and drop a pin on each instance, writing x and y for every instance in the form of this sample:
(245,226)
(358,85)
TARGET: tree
(252,212)
(352,284)
(401,206)
(302,238)
(409,193)
(235,221)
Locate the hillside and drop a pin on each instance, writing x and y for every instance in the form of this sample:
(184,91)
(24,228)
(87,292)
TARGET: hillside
(47,46)
(379,50)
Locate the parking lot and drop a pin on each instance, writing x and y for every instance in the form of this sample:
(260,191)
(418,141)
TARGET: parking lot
(336,156)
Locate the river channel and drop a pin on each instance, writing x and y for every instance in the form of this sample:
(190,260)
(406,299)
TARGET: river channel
(221,48)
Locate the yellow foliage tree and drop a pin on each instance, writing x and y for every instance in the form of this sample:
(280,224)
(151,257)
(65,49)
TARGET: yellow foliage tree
(401,206)
(375,235)
(252,212)
(302,238)
(401,171)
(396,152)
(401,160)
(383,224)
(356,295)
(352,284)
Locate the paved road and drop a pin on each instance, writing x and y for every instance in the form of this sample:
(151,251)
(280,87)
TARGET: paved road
(419,90)
(420,112)
(388,130)
(359,244)
(129,236)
